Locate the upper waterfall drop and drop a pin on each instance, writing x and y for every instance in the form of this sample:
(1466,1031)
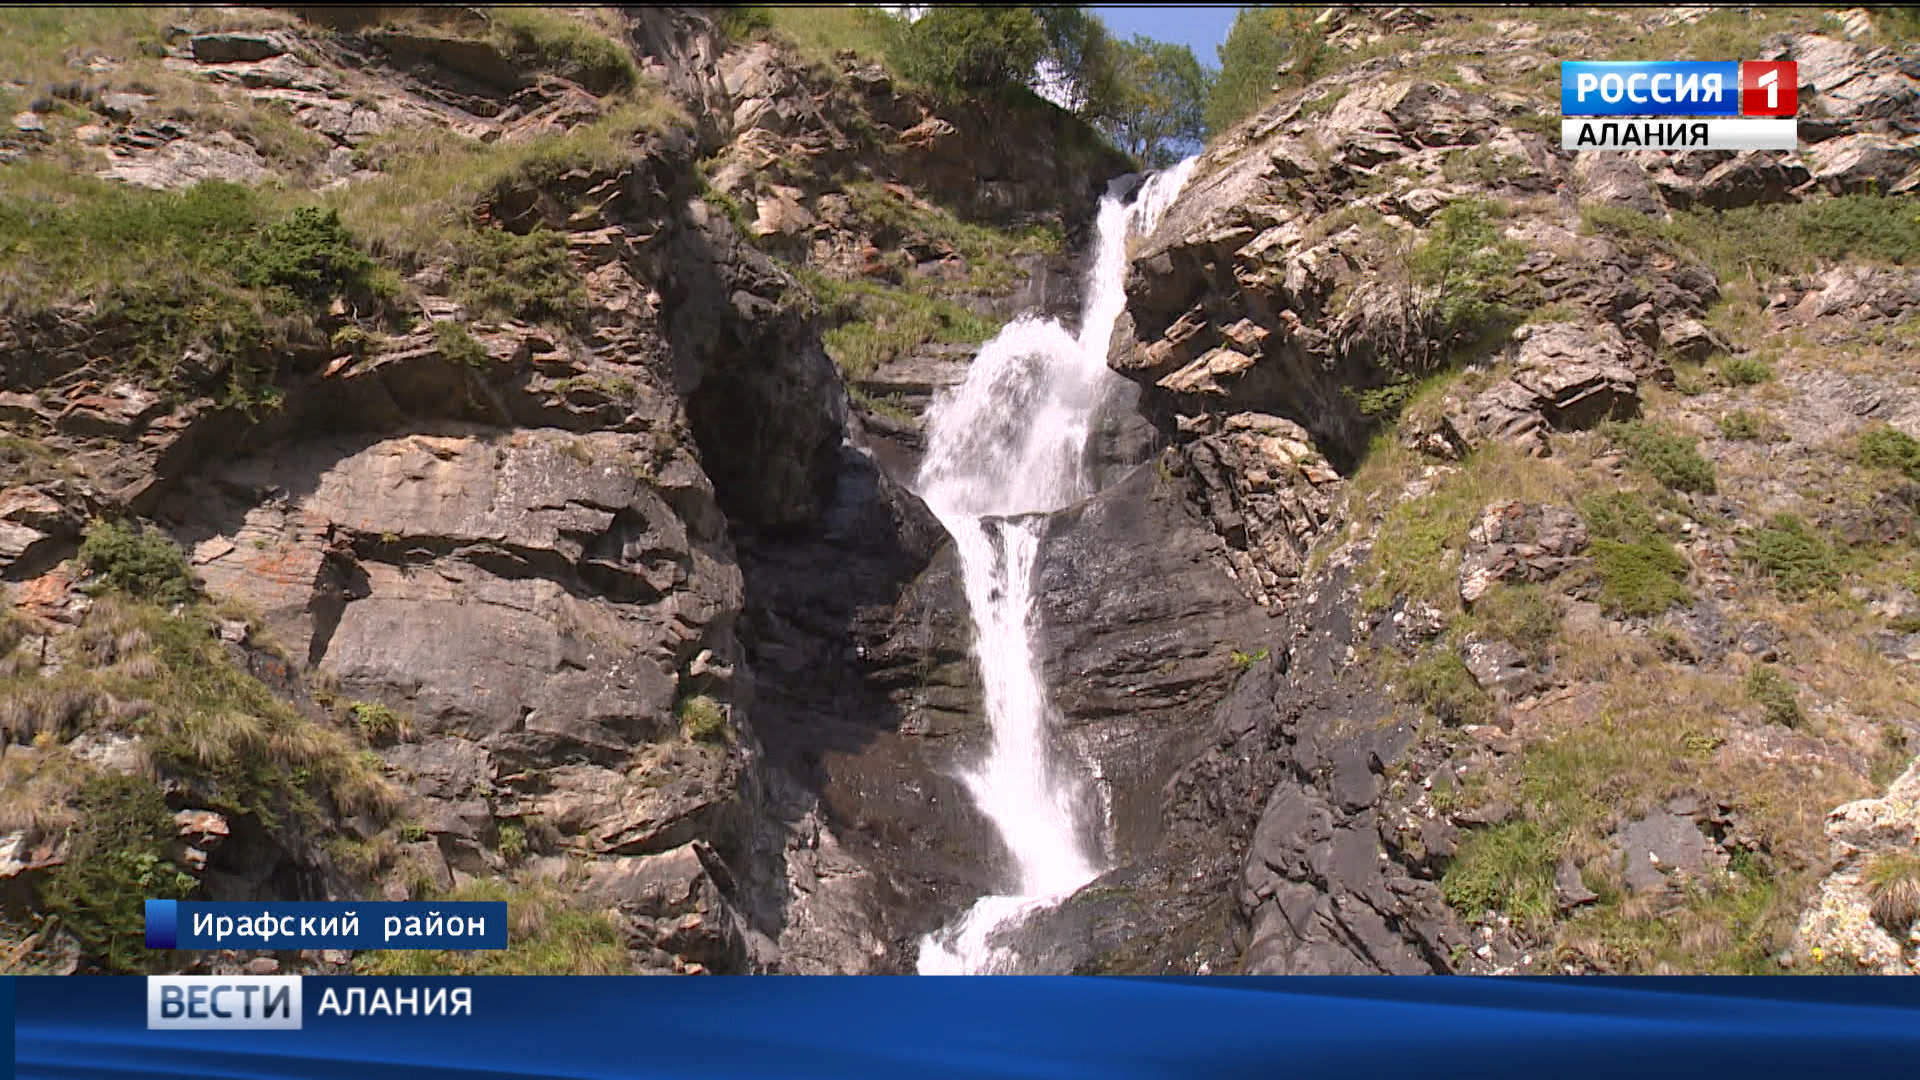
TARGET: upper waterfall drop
(1006,446)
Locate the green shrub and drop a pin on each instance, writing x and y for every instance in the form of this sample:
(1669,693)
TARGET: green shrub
(513,842)
(308,255)
(1744,371)
(529,277)
(459,345)
(1775,695)
(1674,460)
(1640,579)
(377,722)
(1506,868)
(973,48)
(703,719)
(117,859)
(1467,268)
(1639,571)
(1795,556)
(1744,426)
(1441,682)
(142,563)
(1887,447)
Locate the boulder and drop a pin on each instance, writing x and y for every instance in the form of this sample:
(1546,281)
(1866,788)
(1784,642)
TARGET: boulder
(228,48)
(1864,163)
(1752,178)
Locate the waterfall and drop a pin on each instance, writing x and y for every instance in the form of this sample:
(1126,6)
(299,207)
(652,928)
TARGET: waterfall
(1003,449)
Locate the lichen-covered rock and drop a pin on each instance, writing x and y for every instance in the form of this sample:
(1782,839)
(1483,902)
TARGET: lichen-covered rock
(1840,923)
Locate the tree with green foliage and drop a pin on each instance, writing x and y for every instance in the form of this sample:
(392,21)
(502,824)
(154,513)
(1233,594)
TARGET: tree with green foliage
(1267,47)
(1079,60)
(974,49)
(1158,100)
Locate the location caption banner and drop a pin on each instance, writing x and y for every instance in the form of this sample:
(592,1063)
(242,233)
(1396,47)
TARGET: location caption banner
(373,924)
(1039,1028)
(1737,133)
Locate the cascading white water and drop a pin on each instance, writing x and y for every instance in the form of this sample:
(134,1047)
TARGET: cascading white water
(1005,447)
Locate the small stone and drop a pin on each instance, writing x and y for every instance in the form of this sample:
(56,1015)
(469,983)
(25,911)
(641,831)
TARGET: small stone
(263,965)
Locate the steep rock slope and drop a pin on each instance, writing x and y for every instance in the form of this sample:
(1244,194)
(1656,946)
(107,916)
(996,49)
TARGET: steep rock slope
(564,529)
(1575,484)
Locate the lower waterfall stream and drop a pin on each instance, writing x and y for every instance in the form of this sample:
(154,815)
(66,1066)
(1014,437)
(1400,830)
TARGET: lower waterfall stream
(1005,448)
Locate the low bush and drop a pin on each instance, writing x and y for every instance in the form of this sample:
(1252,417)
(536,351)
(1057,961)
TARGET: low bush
(1887,447)
(703,719)
(1744,371)
(1795,555)
(117,858)
(458,344)
(309,256)
(1639,571)
(1775,695)
(530,277)
(141,563)
(1742,425)
(1673,460)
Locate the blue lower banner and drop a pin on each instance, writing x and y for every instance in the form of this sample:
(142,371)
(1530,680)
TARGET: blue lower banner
(290,1027)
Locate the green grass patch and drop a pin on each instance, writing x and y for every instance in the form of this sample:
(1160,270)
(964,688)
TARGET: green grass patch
(1887,447)
(1440,682)
(1763,242)
(432,182)
(1674,460)
(1505,868)
(198,291)
(1795,556)
(1521,615)
(1892,881)
(565,45)
(1639,570)
(871,323)
(1744,371)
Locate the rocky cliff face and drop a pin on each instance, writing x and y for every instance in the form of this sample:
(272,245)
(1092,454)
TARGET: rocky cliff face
(600,584)
(1380,328)
(1503,559)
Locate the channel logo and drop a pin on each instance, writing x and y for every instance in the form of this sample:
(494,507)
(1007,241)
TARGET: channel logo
(1679,105)
(1769,88)
(223,1003)
(1679,88)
